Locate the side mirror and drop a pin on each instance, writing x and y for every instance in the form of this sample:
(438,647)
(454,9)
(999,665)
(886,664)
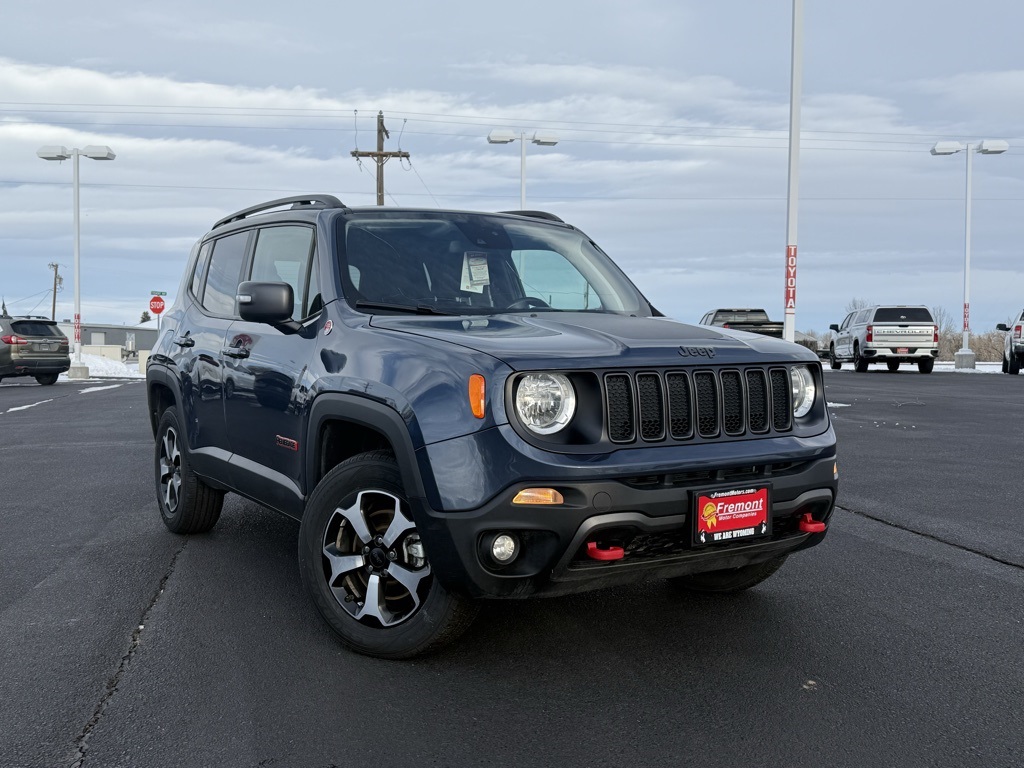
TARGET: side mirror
(1002,327)
(834,327)
(270,303)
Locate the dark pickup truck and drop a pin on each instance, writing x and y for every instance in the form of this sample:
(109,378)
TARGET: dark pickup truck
(750,320)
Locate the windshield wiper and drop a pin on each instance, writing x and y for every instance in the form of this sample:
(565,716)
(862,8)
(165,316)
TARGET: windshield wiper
(419,309)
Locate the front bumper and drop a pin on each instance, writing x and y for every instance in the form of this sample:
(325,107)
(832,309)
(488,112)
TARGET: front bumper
(649,516)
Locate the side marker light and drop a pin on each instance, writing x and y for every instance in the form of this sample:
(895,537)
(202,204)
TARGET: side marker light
(538,496)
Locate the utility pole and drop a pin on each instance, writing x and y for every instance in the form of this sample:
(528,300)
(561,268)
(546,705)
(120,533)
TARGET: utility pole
(58,282)
(380,156)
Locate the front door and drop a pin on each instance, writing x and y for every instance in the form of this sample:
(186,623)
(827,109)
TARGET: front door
(264,373)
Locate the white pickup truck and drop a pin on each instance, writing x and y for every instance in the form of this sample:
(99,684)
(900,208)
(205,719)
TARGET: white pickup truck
(890,334)
(1013,345)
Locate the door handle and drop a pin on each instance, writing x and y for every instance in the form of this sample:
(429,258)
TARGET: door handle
(237,352)
(185,341)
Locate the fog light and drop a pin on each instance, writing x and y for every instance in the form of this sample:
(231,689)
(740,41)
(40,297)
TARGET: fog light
(504,548)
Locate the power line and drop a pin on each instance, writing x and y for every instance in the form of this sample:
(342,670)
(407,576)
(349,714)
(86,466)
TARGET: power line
(478,195)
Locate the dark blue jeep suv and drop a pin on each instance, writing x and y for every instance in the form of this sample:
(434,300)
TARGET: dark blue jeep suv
(460,405)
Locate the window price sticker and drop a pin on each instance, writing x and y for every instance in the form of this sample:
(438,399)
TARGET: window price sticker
(475,274)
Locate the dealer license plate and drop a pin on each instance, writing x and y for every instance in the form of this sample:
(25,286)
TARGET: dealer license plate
(731,515)
(902,350)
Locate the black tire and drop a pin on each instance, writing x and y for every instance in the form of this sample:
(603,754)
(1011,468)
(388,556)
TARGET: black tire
(46,379)
(834,364)
(925,365)
(860,365)
(357,533)
(1013,366)
(892,365)
(187,504)
(730,580)
(1006,367)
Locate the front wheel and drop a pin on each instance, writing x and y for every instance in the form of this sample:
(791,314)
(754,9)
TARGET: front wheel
(366,568)
(187,504)
(730,580)
(833,363)
(892,365)
(926,364)
(46,379)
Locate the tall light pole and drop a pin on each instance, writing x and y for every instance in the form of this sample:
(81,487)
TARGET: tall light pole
(96,152)
(792,191)
(964,358)
(542,139)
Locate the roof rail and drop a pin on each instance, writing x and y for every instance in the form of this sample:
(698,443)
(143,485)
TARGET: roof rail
(296,202)
(536,215)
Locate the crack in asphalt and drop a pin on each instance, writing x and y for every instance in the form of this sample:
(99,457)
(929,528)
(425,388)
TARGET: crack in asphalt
(81,742)
(933,537)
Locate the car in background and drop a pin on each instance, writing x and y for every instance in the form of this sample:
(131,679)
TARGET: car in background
(890,334)
(1013,345)
(747,319)
(32,346)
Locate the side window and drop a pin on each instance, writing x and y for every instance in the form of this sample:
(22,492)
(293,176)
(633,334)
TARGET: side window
(283,255)
(846,322)
(563,285)
(223,275)
(863,316)
(197,276)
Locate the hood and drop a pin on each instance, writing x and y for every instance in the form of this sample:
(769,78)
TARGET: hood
(574,340)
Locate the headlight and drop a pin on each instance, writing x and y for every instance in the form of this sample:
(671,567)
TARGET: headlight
(803,390)
(545,402)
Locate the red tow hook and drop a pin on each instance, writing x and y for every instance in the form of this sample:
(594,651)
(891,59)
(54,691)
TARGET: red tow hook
(609,553)
(809,525)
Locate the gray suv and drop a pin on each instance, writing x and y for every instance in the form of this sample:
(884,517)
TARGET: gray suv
(32,346)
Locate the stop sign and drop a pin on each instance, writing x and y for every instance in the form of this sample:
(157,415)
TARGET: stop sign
(156,305)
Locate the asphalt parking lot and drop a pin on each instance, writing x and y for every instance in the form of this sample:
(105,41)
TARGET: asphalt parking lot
(895,643)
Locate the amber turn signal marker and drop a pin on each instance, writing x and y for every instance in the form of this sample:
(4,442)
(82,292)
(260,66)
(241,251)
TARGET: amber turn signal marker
(538,496)
(477,390)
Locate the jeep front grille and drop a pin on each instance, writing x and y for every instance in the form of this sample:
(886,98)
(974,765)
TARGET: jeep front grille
(653,406)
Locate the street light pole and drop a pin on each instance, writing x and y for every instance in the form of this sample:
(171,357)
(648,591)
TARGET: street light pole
(77,370)
(500,136)
(522,170)
(964,357)
(965,351)
(792,191)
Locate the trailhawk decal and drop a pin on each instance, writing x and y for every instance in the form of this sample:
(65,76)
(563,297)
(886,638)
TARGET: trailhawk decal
(732,515)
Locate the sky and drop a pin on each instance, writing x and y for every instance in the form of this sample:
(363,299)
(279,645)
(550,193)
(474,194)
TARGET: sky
(672,119)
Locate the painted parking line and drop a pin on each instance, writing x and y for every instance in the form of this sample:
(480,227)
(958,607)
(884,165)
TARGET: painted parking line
(99,389)
(30,405)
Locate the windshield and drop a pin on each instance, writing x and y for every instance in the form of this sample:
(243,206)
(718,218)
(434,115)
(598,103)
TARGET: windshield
(459,263)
